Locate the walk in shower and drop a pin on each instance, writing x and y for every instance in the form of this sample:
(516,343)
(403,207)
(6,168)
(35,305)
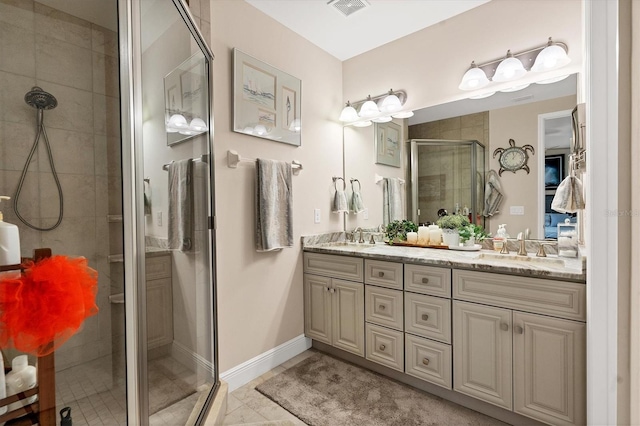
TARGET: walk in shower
(102,191)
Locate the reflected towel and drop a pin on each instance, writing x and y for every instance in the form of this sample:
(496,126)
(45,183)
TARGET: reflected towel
(147,199)
(357,205)
(392,200)
(569,196)
(340,204)
(493,194)
(181,221)
(274,205)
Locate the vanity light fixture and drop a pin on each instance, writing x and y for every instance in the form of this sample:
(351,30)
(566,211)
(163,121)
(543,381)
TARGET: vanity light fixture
(553,79)
(550,56)
(198,125)
(378,109)
(515,88)
(484,95)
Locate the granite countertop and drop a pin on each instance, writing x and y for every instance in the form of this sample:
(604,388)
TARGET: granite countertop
(553,267)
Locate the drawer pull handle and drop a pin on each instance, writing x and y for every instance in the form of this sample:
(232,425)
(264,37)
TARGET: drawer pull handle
(425,317)
(382,347)
(425,280)
(380,274)
(425,361)
(519,330)
(382,307)
(504,326)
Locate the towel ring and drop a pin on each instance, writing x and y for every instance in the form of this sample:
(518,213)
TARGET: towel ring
(335,180)
(359,184)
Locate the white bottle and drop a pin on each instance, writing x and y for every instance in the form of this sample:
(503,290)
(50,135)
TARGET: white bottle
(9,241)
(21,378)
(3,388)
(501,238)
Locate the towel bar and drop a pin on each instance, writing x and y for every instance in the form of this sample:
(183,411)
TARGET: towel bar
(202,159)
(233,158)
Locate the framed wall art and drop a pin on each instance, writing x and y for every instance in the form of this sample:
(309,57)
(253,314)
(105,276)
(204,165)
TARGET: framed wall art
(388,144)
(553,171)
(266,101)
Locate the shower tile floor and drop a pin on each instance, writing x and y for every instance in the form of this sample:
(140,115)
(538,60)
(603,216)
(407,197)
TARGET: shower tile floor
(97,398)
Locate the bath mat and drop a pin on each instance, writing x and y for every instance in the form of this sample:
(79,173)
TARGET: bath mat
(325,391)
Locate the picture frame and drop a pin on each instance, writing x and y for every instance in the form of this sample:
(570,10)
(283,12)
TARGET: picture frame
(186,94)
(266,100)
(388,144)
(553,171)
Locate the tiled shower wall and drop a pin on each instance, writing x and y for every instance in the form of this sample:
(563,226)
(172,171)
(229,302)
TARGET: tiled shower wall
(77,62)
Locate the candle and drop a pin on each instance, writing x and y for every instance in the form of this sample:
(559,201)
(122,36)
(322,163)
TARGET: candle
(423,235)
(435,235)
(412,237)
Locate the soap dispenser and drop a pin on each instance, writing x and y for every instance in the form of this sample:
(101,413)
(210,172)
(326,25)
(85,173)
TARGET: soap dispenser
(501,237)
(9,241)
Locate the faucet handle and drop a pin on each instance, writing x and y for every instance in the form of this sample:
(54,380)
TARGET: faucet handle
(505,248)
(541,252)
(372,240)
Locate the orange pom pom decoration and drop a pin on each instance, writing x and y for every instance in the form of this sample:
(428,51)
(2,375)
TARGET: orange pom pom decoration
(47,304)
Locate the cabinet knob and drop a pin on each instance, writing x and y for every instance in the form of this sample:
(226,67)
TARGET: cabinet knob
(504,326)
(382,307)
(380,274)
(519,330)
(425,317)
(333,290)
(425,361)
(425,280)
(382,347)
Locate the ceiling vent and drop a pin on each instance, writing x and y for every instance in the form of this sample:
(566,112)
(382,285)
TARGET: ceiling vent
(348,7)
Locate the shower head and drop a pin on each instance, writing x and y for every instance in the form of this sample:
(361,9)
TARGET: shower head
(40,99)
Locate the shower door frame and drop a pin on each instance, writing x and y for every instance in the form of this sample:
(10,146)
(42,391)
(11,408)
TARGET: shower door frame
(130,55)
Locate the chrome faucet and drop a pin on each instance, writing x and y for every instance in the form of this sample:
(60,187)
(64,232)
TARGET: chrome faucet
(361,239)
(523,237)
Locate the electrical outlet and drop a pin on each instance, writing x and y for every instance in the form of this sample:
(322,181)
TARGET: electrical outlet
(316,215)
(159,219)
(365,214)
(516,210)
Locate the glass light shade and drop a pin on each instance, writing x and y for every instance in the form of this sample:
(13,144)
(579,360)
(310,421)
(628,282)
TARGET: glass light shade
(248,130)
(368,109)
(187,132)
(198,125)
(383,119)
(170,129)
(362,123)
(484,95)
(515,88)
(348,113)
(177,121)
(260,130)
(552,79)
(473,79)
(390,103)
(509,69)
(295,125)
(552,57)
(403,114)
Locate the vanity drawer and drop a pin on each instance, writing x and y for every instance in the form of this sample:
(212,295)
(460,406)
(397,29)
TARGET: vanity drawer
(383,306)
(428,316)
(428,360)
(537,295)
(328,265)
(158,267)
(385,346)
(427,280)
(384,274)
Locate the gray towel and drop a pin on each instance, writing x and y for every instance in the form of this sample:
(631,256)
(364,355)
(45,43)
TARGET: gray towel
(181,220)
(147,199)
(493,194)
(568,197)
(274,205)
(357,205)
(391,200)
(340,202)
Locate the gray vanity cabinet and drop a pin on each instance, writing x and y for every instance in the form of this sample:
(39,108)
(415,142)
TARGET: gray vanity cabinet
(334,307)
(159,301)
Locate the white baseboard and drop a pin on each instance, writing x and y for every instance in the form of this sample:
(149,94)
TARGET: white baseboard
(257,366)
(189,358)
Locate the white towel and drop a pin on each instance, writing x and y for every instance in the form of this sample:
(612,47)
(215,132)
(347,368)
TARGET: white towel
(569,196)
(274,205)
(392,200)
(340,204)
(181,220)
(357,205)
(493,194)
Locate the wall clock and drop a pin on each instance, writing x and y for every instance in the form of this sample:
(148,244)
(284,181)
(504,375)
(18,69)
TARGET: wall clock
(513,158)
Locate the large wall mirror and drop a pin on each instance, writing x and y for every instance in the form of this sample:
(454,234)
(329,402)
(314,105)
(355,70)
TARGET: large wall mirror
(492,122)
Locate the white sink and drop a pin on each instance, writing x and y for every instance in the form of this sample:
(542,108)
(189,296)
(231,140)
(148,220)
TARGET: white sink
(515,258)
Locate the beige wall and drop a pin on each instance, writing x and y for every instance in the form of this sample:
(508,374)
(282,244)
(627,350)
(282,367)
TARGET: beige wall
(520,123)
(260,294)
(430,63)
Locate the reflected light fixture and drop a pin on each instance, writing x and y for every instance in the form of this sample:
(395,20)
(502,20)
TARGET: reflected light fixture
(368,109)
(198,125)
(403,114)
(552,57)
(177,121)
(474,78)
(295,125)
(348,113)
(509,69)
(382,119)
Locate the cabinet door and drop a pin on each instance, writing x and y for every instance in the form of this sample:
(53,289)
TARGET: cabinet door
(482,357)
(159,313)
(549,369)
(348,316)
(317,308)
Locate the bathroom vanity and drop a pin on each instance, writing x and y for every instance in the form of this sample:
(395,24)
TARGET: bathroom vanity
(467,326)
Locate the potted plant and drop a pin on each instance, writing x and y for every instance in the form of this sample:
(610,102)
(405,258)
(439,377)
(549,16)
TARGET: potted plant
(471,234)
(397,230)
(450,226)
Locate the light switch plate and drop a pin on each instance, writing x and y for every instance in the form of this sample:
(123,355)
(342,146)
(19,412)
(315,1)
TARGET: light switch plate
(159,218)
(365,214)
(316,215)
(516,210)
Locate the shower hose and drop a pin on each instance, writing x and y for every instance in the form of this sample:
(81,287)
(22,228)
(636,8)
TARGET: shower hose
(40,132)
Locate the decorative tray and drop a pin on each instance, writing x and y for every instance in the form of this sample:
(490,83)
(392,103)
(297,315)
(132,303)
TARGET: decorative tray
(404,244)
(474,247)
